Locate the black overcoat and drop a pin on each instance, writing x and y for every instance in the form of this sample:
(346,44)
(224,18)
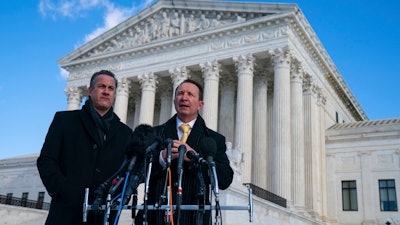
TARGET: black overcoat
(72,159)
(190,180)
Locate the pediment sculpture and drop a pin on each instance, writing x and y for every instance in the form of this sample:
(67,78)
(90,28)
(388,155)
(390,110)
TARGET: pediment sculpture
(166,24)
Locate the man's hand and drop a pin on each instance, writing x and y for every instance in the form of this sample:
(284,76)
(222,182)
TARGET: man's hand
(174,151)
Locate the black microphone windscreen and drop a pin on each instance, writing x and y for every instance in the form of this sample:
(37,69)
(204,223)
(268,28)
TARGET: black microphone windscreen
(143,136)
(182,151)
(192,155)
(208,147)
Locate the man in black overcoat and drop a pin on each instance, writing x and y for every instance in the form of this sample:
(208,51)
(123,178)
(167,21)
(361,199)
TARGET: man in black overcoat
(188,101)
(82,149)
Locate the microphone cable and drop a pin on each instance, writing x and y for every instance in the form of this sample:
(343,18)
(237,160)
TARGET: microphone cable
(122,198)
(171,215)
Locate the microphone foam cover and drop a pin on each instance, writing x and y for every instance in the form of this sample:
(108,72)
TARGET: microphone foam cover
(143,136)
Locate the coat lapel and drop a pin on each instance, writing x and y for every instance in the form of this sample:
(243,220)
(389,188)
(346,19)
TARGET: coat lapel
(197,133)
(89,126)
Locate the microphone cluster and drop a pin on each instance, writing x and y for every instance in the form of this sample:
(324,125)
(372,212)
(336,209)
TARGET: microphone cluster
(144,142)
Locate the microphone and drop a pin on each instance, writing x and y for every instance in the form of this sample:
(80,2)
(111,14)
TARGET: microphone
(194,157)
(100,190)
(157,142)
(208,148)
(182,151)
(169,143)
(133,183)
(143,141)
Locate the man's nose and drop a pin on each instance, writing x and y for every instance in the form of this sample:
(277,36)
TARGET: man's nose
(106,92)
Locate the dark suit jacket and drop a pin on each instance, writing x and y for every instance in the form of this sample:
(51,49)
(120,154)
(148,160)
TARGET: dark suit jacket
(190,181)
(73,159)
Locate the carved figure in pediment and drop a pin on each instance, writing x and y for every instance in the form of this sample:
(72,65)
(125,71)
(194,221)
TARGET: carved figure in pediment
(165,25)
(109,46)
(129,40)
(239,18)
(116,44)
(191,24)
(152,30)
(216,21)
(175,26)
(204,22)
(139,36)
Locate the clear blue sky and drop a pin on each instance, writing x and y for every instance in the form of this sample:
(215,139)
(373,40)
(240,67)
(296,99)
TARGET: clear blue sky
(361,36)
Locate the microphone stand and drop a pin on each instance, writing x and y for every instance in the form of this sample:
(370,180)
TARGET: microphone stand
(179,195)
(201,198)
(167,188)
(216,190)
(107,210)
(146,189)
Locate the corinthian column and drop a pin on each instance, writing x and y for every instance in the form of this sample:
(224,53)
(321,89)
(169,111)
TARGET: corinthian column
(121,99)
(165,105)
(281,123)
(74,95)
(321,109)
(211,83)
(260,156)
(297,136)
(244,108)
(177,76)
(311,138)
(148,84)
(226,120)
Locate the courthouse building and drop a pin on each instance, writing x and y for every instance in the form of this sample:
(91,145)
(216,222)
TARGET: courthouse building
(295,132)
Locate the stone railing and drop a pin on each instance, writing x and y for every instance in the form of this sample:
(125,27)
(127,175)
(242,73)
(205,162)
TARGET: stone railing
(269,196)
(24,203)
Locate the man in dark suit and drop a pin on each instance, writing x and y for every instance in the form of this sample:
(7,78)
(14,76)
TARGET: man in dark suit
(188,101)
(81,150)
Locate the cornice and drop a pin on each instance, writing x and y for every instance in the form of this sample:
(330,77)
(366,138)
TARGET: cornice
(313,45)
(21,161)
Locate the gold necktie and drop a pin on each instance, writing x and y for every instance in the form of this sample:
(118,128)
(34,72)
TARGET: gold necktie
(185,129)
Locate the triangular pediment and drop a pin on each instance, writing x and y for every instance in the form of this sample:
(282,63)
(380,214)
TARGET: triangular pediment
(168,20)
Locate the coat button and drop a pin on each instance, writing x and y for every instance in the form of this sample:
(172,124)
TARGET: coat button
(98,170)
(94,146)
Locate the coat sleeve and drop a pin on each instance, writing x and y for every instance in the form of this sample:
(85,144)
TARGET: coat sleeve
(48,161)
(224,170)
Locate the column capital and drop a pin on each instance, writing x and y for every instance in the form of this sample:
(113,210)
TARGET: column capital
(210,69)
(297,72)
(281,56)
(245,63)
(179,74)
(74,96)
(148,81)
(123,86)
(321,97)
(309,85)
(73,90)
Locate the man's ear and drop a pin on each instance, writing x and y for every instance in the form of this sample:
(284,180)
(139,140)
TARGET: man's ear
(201,104)
(89,90)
